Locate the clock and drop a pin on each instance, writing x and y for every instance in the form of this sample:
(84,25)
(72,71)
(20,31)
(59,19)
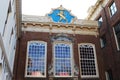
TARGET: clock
(61,15)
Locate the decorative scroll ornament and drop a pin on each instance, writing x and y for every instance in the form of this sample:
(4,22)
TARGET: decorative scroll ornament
(62,37)
(76,71)
(50,70)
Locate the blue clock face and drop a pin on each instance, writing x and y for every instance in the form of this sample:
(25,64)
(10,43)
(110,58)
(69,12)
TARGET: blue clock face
(62,16)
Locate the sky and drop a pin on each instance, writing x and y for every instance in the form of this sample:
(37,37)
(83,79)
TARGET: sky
(78,8)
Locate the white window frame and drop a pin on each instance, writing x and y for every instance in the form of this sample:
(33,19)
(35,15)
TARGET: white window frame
(71,50)
(96,65)
(116,41)
(45,59)
(112,9)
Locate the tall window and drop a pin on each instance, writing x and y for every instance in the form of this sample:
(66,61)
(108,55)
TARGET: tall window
(62,59)
(88,63)
(109,75)
(113,9)
(103,41)
(36,59)
(100,21)
(117,35)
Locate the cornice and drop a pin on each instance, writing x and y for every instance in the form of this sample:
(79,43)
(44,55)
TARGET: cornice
(60,28)
(48,20)
(92,9)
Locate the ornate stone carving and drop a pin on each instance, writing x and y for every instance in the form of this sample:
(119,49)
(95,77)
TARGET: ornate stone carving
(50,70)
(62,37)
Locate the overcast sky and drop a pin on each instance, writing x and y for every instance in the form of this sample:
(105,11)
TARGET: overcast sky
(78,8)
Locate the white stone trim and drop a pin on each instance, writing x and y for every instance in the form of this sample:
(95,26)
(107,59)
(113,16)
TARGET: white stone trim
(48,20)
(95,9)
(60,30)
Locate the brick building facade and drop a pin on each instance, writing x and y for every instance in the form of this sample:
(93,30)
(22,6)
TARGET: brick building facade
(58,47)
(108,13)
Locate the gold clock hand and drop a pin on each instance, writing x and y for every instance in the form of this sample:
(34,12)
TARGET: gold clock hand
(61,14)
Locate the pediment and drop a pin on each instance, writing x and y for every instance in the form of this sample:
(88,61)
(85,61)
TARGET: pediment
(61,15)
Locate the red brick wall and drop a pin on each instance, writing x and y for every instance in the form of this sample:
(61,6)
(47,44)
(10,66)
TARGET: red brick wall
(110,53)
(19,70)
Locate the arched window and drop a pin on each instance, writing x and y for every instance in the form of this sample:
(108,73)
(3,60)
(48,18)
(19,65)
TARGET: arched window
(88,61)
(62,59)
(36,59)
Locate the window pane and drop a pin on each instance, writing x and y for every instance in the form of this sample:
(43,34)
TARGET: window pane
(36,59)
(113,8)
(62,60)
